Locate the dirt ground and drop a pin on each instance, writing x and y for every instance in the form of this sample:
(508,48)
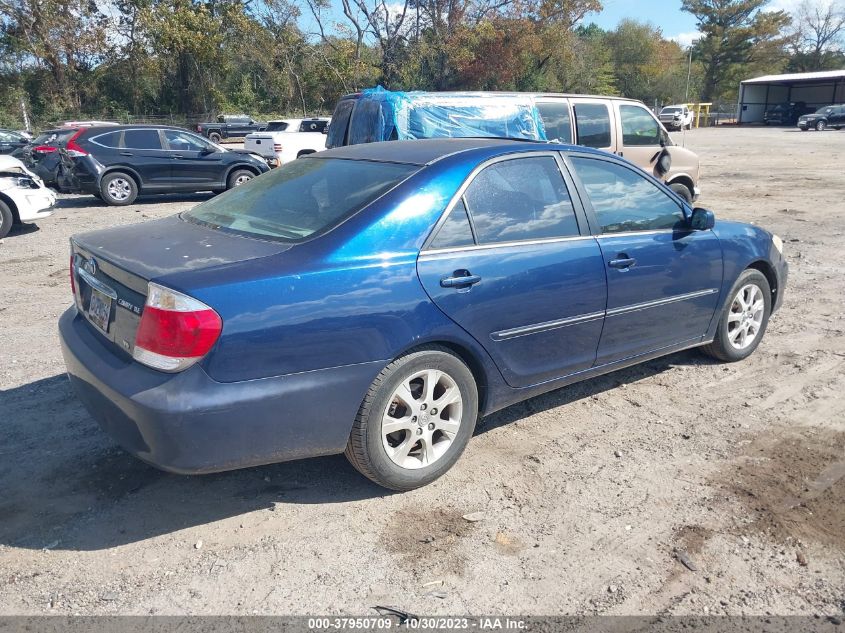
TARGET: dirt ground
(590,495)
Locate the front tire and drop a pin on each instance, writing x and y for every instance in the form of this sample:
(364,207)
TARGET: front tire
(7,219)
(239,177)
(744,318)
(415,421)
(118,189)
(682,190)
(820,126)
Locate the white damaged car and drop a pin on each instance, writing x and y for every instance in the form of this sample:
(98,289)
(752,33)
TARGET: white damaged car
(23,196)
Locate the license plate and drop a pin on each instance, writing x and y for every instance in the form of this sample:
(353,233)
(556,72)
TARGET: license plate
(99,310)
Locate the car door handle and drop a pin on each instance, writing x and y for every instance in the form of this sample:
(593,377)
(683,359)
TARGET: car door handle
(460,279)
(126,154)
(177,157)
(622,263)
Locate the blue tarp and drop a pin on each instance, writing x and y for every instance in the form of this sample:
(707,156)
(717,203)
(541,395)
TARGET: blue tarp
(383,115)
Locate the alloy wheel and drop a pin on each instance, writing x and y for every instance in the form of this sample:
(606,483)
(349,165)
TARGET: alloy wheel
(746,316)
(422,419)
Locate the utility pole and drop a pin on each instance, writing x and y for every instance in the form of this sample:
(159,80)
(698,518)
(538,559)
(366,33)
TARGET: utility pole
(689,73)
(25,117)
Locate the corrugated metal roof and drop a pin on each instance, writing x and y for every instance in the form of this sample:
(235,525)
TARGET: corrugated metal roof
(825,75)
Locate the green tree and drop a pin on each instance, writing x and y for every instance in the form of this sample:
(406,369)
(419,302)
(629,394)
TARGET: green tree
(735,33)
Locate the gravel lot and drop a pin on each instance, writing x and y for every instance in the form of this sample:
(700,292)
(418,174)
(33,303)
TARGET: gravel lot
(587,493)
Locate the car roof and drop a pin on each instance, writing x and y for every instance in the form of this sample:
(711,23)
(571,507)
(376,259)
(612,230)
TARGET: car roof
(132,126)
(428,151)
(505,93)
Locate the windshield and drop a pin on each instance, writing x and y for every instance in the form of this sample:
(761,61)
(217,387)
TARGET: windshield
(823,110)
(670,110)
(305,196)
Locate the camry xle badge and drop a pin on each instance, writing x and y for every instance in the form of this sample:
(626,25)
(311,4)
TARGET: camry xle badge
(123,303)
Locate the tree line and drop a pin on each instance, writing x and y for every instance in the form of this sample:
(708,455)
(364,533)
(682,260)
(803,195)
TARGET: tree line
(186,58)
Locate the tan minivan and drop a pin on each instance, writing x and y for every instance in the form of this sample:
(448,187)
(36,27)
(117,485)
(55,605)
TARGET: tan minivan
(622,126)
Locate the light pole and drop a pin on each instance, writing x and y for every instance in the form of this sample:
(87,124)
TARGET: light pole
(689,73)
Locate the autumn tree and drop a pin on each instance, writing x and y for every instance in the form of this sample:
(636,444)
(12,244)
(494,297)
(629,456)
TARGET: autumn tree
(818,36)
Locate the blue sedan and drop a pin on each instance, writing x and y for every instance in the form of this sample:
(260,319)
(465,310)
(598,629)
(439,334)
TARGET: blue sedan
(378,299)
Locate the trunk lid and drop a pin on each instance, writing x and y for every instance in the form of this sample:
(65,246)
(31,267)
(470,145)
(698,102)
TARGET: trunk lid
(111,267)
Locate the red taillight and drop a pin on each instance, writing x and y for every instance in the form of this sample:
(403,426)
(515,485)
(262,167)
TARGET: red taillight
(73,148)
(72,280)
(44,149)
(175,330)
(199,128)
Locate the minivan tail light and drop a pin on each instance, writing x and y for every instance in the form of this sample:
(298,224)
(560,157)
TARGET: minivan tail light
(73,148)
(175,331)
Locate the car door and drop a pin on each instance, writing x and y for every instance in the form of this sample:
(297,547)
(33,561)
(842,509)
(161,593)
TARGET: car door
(663,279)
(142,151)
(594,125)
(513,264)
(640,135)
(194,162)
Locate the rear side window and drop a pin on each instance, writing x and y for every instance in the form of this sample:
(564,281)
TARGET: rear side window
(312,126)
(638,126)
(456,230)
(520,199)
(141,139)
(340,123)
(110,139)
(303,197)
(592,121)
(556,120)
(277,126)
(624,200)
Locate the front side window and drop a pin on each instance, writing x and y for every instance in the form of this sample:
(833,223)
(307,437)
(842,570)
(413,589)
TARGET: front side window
(624,200)
(638,126)
(141,139)
(556,120)
(303,197)
(592,121)
(184,141)
(520,199)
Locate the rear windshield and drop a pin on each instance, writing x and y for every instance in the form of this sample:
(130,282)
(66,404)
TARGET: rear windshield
(54,137)
(340,121)
(303,197)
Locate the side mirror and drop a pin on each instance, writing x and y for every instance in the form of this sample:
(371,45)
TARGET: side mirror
(662,163)
(205,151)
(702,219)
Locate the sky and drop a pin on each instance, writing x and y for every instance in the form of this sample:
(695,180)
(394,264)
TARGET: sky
(666,14)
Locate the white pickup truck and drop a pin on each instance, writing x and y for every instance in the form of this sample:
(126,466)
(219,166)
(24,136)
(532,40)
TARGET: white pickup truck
(676,117)
(285,140)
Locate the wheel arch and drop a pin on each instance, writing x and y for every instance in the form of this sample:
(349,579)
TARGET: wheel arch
(124,170)
(468,356)
(16,218)
(768,272)
(685,180)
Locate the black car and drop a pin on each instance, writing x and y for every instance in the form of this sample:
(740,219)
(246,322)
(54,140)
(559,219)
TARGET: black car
(117,163)
(42,156)
(12,142)
(823,118)
(785,113)
(230,126)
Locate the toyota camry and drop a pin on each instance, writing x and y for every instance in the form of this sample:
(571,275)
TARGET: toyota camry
(378,299)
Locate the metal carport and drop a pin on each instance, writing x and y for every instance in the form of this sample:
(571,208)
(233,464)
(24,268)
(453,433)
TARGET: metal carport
(815,89)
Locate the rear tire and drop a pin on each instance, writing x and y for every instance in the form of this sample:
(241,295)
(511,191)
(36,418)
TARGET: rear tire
(7,219)
(748,308)
(433,420)
(118,189)
(682,190)
(214,137)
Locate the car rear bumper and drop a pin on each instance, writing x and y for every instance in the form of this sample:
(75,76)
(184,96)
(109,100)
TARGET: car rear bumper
(188,423)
